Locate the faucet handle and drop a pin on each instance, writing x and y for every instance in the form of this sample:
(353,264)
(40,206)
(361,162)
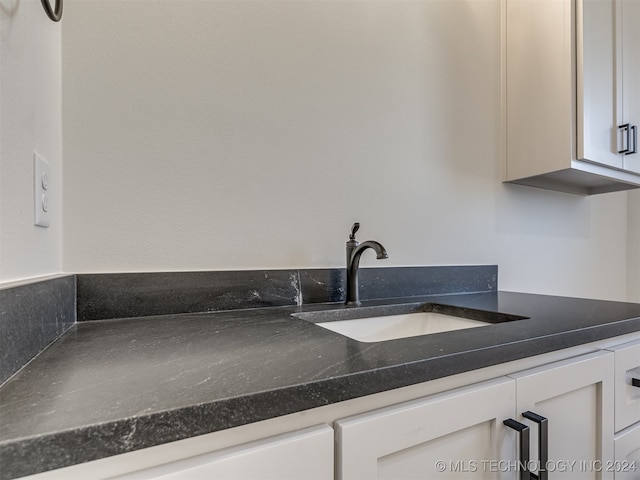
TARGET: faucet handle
(354,229)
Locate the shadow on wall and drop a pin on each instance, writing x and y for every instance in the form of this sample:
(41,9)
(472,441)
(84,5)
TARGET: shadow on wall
(563,244)
(522,210)
(9,7)
(464,83)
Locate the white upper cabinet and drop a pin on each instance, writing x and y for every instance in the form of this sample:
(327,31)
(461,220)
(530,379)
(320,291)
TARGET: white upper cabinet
(628,19)
(597,115)
(570,85)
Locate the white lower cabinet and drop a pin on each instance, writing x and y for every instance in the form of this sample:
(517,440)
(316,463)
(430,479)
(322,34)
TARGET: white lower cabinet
(627,384)
(576,398)
(303,455)
(627,411)
(460,434)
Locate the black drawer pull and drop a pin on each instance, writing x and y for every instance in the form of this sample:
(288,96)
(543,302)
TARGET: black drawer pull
(634,136)
(523,430)
(543,444)
(627,137)
(635,382)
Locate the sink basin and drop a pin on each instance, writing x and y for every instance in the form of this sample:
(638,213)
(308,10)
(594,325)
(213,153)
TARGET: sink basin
(388,322)
(376,329)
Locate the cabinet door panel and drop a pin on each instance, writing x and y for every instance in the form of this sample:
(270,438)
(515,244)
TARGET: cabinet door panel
(462,429)
(305,454)
(630,20)
(576,396)
(596,80)
(460,451)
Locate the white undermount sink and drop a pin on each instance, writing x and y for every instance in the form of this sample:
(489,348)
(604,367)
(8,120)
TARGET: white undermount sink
(377,329)
(387,322)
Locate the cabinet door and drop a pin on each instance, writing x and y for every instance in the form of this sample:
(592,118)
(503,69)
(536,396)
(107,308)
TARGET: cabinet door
(627,395)
(597,119)
(576,396)
(629,71)
(608,81)
(305,454)
(453,435)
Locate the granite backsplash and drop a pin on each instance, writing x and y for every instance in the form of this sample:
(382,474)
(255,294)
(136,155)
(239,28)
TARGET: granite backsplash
(34,315)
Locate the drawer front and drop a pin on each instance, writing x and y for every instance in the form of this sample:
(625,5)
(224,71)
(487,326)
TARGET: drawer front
(627,384)
(627,451)
(301,455)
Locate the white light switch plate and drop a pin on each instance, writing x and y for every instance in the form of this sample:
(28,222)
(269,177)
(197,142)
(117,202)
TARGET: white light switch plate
(41,191)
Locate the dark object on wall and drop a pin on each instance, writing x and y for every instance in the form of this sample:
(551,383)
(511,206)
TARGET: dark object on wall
(56,13)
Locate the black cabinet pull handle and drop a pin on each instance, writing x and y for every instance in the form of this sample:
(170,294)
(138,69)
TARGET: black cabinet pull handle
(627,130)
(523,430)
(543,444)
(634,128)
(635,382)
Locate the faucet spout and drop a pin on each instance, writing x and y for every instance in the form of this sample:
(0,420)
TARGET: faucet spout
(354,252)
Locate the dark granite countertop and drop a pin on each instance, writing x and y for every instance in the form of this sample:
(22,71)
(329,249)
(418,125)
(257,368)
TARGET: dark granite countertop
(114,386)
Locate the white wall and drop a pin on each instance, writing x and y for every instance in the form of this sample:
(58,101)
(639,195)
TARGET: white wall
(633,247)
(30,120)
(214,135)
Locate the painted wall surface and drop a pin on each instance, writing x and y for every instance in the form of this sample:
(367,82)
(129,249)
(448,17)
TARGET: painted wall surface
(30,120)
(218,135)
(633,247)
